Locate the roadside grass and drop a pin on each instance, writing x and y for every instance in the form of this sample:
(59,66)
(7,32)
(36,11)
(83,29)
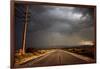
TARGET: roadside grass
(88,51)
(21,58)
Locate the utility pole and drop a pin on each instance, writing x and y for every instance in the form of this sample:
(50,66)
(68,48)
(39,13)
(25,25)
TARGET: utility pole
(25,30)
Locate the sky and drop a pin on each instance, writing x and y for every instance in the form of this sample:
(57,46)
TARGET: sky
(54,26)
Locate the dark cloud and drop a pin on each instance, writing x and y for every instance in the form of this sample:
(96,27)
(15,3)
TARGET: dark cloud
(56,25)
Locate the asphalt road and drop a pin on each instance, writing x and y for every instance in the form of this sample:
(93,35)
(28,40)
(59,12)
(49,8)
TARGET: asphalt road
(56,57)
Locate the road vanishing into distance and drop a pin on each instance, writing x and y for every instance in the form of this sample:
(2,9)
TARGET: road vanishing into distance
(57,57)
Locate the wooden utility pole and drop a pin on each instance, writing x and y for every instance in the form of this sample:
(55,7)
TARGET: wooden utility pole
(25,30)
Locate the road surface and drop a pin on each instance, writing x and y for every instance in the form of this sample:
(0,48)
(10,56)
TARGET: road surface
(56,57)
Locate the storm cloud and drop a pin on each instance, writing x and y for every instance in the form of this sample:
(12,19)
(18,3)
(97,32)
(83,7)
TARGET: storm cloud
(59,26)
